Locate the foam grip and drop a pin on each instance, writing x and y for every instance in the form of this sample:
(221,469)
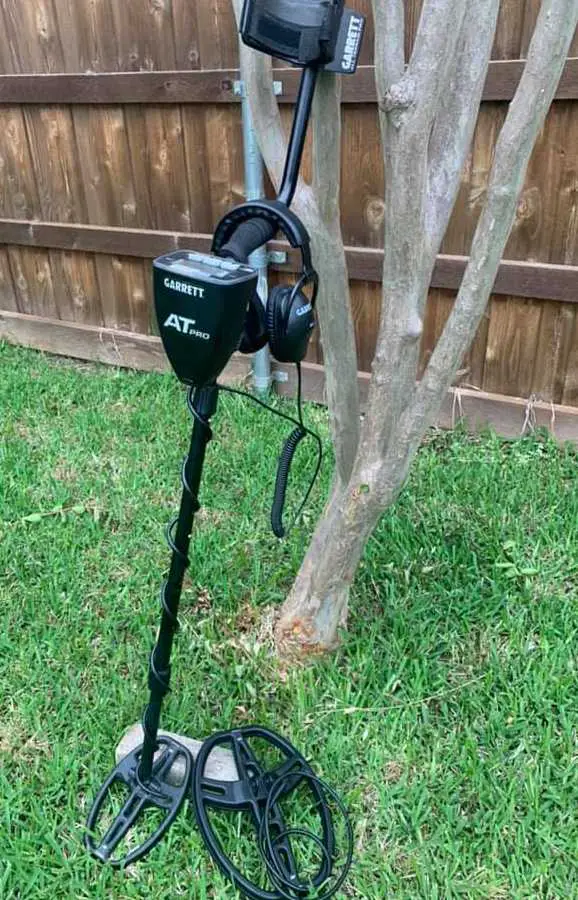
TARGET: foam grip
(247,238)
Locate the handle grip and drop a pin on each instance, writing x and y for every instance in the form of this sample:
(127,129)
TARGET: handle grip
(247,238)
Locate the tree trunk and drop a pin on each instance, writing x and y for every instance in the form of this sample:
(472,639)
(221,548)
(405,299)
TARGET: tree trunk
(318,603)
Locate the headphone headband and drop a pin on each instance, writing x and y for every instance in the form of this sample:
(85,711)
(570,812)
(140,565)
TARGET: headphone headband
(279,217)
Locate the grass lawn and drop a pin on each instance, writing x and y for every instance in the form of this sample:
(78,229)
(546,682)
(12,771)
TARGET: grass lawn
(448,719)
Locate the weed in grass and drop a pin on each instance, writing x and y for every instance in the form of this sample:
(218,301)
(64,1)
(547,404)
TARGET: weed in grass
(448,717)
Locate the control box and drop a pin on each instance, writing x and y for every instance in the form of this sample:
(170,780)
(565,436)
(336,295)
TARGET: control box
(201,302)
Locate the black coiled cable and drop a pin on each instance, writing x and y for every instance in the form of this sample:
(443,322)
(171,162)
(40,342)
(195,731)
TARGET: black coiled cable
(287,456)
(283,472)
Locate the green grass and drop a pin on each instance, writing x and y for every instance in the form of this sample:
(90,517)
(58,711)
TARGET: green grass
(448,718)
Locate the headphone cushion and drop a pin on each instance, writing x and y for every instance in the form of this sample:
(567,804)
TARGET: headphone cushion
(289,324)
(276,318)
(254,335)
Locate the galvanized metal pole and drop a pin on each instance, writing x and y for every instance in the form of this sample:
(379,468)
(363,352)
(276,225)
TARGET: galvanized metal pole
(255,190)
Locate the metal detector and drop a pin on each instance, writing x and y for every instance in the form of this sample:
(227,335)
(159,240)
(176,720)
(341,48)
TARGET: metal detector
(206,309)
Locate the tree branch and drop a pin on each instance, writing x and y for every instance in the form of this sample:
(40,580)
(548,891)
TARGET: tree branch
(389,19)
(547,55)
(456,119)
(439,30)
(334,303)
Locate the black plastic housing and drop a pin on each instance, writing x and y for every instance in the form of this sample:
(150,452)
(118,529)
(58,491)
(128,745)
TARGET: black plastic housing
(201,302)
(303,32)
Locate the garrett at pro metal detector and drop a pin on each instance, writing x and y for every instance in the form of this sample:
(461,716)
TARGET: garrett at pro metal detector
(207,308)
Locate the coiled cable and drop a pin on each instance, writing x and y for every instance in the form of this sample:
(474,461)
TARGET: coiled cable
(287,456)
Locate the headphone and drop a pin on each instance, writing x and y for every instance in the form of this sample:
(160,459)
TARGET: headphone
(287,321)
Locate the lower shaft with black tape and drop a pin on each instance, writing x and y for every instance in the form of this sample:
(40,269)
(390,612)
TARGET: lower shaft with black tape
(203,406)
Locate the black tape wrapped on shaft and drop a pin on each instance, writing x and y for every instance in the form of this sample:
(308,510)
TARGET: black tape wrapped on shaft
(283,472)
(247,238)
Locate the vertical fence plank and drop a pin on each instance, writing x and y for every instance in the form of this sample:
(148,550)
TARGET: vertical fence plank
(7,62)
(509,31)
(76,287)
(537,224)
(438,308)
(475,360)
(512,346)
(18,191)
(106,166)
(198,166)
(33,284)
(563,191)
(124,288)
(472,194)
(362,186)
(218,38)
(134,117)
(553,351)
(145,35)
(226,175)
(56,164)
(188,39)
(88,36)
(570,392)
(165,168)
(7,292)
(366,309)
(31,31)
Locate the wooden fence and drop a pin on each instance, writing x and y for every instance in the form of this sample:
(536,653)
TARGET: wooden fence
(120,137)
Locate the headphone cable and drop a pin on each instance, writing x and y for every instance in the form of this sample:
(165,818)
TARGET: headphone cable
(288,454)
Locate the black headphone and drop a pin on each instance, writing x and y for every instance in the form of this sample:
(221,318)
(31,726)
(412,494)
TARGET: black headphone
(288,319)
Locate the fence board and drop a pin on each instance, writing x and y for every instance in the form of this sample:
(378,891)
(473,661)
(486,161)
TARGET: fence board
(217,86)
(226,169)
(32,33)
(56,164)
(362,184)
(198,163)
(366,308)
(87,35)
(144,34)
(76,286)
(106,166)
(533,280)
(219,47)
(512,346)
(551,362)
(165,171)
(33,284)
(126,300)
(7,292)
(18,191)
(570,394)
(187,35)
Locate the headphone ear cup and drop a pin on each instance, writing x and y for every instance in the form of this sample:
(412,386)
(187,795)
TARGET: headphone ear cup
(299,325)
(289,324)
(254,335)
(275,319)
